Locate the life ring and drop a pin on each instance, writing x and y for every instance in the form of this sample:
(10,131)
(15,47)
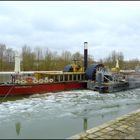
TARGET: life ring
(17,81)
(35,81)
(50,80)
(23,81)
(46,80)
(29,80)
(41,81)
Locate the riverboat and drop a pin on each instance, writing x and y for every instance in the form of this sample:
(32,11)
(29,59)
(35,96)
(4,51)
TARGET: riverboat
(32,82)
(93,77)
(42,82)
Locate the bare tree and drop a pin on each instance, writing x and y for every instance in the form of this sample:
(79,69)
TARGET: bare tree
(28,58)
(2,53)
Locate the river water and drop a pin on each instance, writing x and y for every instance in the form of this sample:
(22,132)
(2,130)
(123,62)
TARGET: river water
(62,114)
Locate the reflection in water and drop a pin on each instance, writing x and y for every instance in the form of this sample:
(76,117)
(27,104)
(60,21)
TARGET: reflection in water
(18,127)
(85,125)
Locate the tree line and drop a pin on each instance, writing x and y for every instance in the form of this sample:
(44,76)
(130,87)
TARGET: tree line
(110,61)
(39,59)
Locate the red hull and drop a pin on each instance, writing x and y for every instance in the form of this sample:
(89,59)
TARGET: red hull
(39,88)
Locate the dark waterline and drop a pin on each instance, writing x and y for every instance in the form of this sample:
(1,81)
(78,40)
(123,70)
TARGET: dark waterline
(63,114)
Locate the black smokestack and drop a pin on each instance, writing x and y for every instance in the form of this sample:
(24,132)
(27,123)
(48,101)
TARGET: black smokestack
(85,55)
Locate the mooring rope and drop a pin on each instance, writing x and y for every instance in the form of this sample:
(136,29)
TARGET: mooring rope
(6,94)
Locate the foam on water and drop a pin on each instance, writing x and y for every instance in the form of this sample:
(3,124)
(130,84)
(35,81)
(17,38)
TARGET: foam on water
(78,103)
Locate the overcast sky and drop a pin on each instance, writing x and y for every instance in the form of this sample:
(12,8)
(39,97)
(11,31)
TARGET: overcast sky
(66,25)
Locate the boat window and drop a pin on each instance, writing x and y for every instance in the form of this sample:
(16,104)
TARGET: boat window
(70,77)
(78,76)
(61,78)
(66,77)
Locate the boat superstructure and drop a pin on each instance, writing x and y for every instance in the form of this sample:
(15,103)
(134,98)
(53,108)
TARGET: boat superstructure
(104,81)
(100,79)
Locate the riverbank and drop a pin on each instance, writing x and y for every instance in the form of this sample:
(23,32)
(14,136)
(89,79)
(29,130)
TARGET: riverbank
(124,127)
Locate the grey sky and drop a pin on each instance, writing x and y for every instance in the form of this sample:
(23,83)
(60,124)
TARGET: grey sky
(66,25)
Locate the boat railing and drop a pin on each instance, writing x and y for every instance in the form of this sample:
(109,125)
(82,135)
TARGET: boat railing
(43,78)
